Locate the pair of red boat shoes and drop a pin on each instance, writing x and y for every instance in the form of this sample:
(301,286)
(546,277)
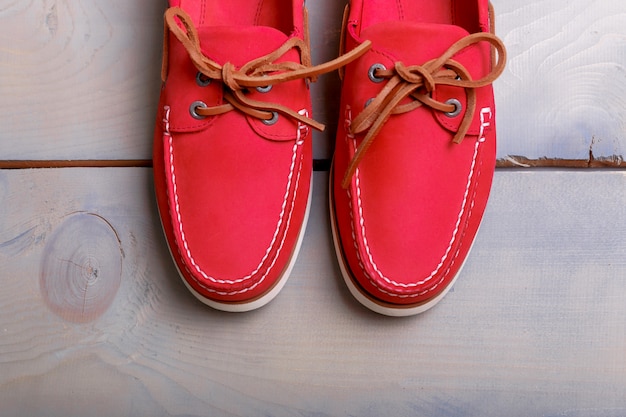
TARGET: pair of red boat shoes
(414,156)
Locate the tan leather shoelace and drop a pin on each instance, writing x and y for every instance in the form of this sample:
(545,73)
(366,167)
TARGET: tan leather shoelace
(419,82)
(260,72)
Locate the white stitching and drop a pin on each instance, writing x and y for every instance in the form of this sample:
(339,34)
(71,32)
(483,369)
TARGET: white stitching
(302,131)
(485,122)
(219,281)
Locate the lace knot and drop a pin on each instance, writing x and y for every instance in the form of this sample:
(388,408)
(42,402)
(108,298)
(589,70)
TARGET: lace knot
(417,83)
(260,72)
(228,76)
(418,75)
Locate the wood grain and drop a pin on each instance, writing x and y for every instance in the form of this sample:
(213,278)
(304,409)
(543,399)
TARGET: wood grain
(562,95)
(81,267)
(536,324)
(95,321)
(80,80)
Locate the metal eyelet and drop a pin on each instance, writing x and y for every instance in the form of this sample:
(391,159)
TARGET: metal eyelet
(194,107)
(265,89)
(368,102)
(202,80)
(371,73)
(458,107)
(271,121)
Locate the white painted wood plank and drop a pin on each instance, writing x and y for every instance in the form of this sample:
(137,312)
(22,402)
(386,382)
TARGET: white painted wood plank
(536,324)
(563,93)
(80,80)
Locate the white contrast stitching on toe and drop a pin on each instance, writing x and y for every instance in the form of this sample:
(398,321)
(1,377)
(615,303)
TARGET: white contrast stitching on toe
(285,217)
(485,119)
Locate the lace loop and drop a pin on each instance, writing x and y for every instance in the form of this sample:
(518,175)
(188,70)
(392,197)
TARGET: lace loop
(418,82)
(228,77)
(416,75)
(260,72)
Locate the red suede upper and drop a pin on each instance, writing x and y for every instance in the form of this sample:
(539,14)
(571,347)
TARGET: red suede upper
(232,191)
(413,207)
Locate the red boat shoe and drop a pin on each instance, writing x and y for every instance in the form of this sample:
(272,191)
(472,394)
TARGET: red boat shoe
(232,149)
(415,158)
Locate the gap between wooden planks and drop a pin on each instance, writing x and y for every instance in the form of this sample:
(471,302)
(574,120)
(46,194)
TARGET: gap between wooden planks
(320,164)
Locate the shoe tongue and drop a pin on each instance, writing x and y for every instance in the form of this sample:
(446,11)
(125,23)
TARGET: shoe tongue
(417,43)
(239,44)
(411,42)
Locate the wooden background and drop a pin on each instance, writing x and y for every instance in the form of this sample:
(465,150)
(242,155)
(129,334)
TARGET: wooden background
(95,321)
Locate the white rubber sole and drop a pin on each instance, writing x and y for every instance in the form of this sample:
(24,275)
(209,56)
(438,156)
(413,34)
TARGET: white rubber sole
(242,307)
(378,306)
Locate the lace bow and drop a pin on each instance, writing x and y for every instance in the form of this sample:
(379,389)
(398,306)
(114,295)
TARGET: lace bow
(260,72)
(419,82)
